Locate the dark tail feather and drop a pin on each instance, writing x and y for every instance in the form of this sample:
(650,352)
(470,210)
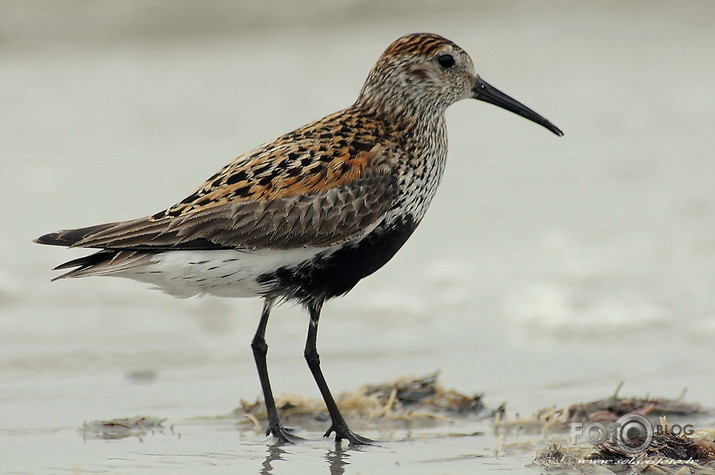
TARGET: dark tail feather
(71,236)
(83,263)
(104,263)
(87,261)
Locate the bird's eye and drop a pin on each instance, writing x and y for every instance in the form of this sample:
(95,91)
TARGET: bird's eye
(446,61)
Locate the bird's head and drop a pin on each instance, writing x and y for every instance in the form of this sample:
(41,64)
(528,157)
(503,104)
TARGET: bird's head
(423,72)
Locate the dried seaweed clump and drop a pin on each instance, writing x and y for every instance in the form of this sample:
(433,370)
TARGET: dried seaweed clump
(137,426)
(550,420)
(406,401)
(667,454)
(611,408)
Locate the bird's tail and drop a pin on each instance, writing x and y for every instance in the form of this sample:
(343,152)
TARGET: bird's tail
(104,262)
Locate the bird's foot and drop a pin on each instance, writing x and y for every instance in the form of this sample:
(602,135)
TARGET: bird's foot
(343,432)
(283,435)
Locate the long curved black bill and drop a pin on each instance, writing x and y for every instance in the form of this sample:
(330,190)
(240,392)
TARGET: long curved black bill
(483,91)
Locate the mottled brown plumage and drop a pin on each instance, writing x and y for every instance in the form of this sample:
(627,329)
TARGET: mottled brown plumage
(311,187)
(308,215)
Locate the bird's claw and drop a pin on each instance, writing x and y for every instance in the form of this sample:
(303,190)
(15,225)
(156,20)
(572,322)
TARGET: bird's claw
(283,435)
(352,438)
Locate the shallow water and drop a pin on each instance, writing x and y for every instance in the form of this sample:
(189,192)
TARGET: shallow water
(547,270)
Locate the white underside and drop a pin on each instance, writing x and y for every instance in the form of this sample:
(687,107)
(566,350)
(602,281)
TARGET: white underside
(226,273)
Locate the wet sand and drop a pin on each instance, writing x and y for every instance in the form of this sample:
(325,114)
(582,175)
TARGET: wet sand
(547,271)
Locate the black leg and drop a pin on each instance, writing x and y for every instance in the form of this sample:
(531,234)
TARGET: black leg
(260,350)
(338,425)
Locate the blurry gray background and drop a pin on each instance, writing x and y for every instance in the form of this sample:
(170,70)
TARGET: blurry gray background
(548,269)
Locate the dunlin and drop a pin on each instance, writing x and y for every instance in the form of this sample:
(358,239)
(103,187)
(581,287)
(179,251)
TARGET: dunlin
(307,216)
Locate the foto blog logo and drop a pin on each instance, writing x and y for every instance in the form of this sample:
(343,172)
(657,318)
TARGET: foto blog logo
(632,433)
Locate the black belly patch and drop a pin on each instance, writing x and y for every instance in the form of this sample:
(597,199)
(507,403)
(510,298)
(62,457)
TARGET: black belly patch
(335,273)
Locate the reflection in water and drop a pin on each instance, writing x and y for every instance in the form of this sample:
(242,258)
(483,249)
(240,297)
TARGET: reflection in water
(275,453)
(337,458)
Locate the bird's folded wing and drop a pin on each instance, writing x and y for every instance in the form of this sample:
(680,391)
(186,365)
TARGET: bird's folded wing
(318,219)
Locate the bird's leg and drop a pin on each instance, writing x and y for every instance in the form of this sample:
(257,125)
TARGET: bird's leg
(260,349)
(338,424)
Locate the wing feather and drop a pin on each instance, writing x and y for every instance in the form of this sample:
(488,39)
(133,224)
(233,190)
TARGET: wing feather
(314,220)
(311,187)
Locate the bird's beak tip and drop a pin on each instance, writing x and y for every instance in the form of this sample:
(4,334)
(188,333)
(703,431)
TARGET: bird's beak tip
(483,91)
